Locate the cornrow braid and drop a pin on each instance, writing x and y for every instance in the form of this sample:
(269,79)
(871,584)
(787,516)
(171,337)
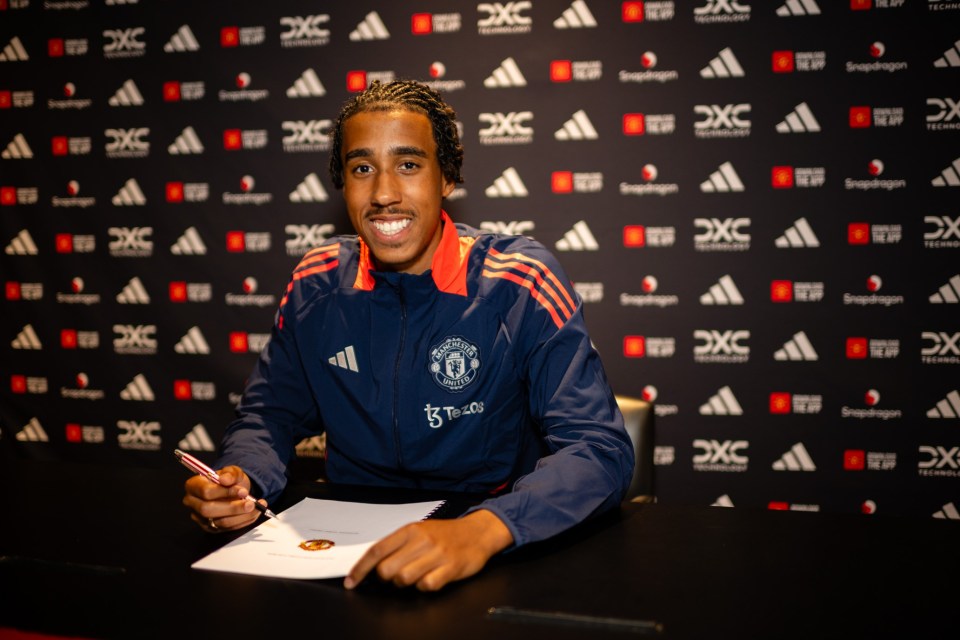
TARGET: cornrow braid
(410,96)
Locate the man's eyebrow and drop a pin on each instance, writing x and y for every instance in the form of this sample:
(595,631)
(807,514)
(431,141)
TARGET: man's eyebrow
(408,151)
(365,152)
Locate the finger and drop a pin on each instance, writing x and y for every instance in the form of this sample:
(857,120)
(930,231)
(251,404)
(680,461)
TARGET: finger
(233,475)
(204,489)
(438,578)
(404,568)
(231,523)
(373,557)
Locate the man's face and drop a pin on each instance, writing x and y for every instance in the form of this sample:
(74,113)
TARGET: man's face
(393,187)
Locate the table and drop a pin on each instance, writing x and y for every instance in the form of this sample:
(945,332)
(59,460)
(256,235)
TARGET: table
(102,552)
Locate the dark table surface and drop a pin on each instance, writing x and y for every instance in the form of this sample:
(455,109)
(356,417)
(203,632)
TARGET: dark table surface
(101,552)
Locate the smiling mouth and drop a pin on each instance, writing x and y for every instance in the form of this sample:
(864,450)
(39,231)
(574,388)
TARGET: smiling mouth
(391,227)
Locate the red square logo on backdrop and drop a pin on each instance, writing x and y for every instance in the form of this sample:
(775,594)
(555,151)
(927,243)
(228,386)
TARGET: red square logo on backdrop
(856,348)
(239,342)
(6,99)
(230,37)
(174,192)
(561,71)
(171,91)
(59,145)
(178,292)
(3,5)
(8,196)
(858,233)
(561,181)
(632,11)
(232,139)
(13,290)
(634,346)
(860,117)
(18,384)
(854,460)
(782,177)
(236,242)
(861,5)
(356,81)
(421,24)
(182,390)
(783,62)
(74,433)
(634,235)
(68,338)
(55,47)
(780,403)
(778,506)
(781,291)
(64,243)
(633,124)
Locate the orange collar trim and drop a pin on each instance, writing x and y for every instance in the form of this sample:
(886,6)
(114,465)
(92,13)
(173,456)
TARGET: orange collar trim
(448,267)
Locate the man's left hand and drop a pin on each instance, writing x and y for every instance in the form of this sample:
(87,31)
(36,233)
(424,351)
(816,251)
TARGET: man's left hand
(433,553)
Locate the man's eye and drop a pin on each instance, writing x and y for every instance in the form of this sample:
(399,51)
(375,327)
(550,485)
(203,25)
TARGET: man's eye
(363,168)
(409,166)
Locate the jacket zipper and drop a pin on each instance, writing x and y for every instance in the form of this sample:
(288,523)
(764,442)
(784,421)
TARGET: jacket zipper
(396,376)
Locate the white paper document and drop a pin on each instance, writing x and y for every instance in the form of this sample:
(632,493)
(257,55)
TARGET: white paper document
(297,544)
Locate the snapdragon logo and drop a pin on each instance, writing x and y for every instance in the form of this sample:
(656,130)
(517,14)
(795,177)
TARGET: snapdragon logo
(649,298)
(649,186)
(877,51)
(871,399)
(875,168)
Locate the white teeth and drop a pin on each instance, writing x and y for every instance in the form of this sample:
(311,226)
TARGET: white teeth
(393,227)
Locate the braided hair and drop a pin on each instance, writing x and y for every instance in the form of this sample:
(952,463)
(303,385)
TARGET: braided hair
(406,95)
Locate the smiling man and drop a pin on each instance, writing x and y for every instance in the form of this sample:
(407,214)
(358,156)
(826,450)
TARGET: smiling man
(433,356)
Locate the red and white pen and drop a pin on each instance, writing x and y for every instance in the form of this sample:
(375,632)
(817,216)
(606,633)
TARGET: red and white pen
(199,468)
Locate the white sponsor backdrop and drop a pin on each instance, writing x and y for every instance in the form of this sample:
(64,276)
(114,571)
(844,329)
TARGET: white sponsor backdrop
(757,202)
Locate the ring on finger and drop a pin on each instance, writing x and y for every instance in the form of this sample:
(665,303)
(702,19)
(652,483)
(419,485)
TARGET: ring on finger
(212,524)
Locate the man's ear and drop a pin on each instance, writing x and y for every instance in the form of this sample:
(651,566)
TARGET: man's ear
(448,187)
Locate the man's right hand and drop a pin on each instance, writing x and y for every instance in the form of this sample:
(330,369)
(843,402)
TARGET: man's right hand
(221,507)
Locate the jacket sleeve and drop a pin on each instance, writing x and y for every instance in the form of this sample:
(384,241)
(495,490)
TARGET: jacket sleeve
(276,412)
(590,459)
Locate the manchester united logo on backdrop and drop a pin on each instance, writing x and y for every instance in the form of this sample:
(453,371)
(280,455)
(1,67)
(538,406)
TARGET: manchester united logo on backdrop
(454,363)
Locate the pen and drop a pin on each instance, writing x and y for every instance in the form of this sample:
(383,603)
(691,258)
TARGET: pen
(199,468)
(512,614)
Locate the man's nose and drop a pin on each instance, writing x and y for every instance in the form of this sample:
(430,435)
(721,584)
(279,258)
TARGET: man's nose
(386,190)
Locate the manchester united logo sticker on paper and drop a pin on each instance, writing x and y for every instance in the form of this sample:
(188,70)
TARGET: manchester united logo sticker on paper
(454,363)
(316,545)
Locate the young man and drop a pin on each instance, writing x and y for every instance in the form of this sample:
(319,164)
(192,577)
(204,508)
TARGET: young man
(432,355)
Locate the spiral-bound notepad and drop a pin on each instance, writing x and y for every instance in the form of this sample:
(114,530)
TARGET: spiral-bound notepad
(314,539)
